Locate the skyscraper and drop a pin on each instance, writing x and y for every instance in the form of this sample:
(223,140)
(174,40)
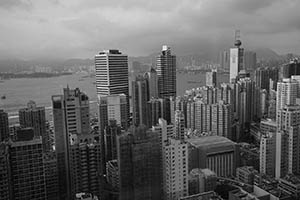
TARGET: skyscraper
(152,82)
(179,125)
(175,163)
(139,100)
(35,117)
(70,118)
(236,60)
(166,72)
(153,112)
(4,129)
(267,154)
(139,162)
(112,74)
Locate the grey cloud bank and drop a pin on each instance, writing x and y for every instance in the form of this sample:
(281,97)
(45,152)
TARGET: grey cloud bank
(78,28)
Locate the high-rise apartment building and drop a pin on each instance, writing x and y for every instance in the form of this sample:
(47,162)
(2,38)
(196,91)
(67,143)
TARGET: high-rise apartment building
(71,119)
(139,162)
(85,167)
(35,117)
(236,62)
(263,76)
(267,154)
(166,72)
(286,94)
(51,176)
(179,125)
(4,128)
(175,163)
(139,100)
(4,172)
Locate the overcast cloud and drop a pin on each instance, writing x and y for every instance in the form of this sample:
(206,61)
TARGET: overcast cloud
(81,28)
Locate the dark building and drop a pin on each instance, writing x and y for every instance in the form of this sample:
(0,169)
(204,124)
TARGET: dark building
(110,137)
(291,68)
(139,161)
(139,100)
(153,112)
(263,76)
(51,177)
(35,117)
(4,128)
(166,72)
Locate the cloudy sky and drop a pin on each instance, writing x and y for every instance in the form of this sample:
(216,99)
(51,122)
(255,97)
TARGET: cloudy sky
(81,28)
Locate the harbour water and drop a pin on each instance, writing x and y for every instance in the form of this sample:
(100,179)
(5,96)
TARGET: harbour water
(19,91)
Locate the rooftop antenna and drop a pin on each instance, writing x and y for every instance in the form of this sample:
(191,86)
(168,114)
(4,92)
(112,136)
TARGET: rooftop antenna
(237,41)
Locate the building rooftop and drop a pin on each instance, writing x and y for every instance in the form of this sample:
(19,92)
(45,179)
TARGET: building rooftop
(215,141)
(292,179)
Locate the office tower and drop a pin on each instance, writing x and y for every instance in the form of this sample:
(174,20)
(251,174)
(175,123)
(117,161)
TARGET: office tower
(51,176)
(27,170)
(216,153)
(70,119)
(179,125)
(202,180)
(175,169)
(152,82)
(263,76)
(167,108)
(85,167)
(139,100)
(289,69)
(166,72)
(236,60)
(267,154)
(250,60)
(112,76)
(211,78)
(286,94)
(111,73)
(281,159)
(110,137)
(224,60)
(139,162)
(4,129)
(4,172)
(35,117)
(153,112)
(113,107)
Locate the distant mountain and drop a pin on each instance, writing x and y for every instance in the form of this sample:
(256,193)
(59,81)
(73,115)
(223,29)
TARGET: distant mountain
(265,54)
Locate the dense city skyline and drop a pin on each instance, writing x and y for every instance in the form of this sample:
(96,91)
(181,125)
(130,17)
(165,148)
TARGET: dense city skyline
(68,29)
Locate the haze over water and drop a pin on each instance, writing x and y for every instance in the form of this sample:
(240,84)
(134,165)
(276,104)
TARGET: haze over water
(19,91)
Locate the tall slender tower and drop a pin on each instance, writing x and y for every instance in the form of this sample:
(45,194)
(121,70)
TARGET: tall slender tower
(236,58)
(4,130)
(166,72)
(139,100)
(71,118)
(152,82)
